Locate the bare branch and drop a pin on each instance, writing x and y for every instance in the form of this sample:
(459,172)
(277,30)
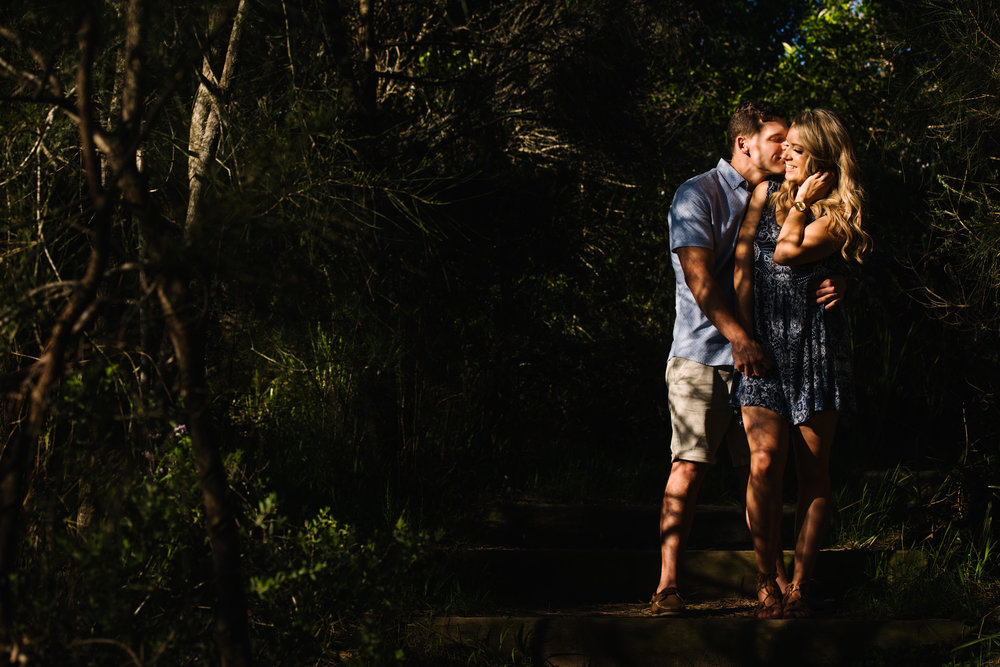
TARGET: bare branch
(206,118)
(46,372)
(25,77)
(979,30)
(34,149)
(12,36)
(91,162)
(110,642)
(132,87)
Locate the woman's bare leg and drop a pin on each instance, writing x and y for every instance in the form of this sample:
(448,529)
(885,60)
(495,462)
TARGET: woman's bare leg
(779,561)
(767,435)
(812,464)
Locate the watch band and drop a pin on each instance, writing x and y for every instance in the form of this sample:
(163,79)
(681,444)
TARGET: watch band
(800,206)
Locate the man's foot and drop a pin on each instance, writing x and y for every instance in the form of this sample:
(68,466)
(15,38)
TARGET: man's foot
(667,602)
(768,597)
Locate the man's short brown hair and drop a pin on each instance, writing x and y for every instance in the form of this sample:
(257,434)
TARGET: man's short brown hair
(750,117)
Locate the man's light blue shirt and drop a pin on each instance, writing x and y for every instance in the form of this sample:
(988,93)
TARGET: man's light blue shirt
(706,212)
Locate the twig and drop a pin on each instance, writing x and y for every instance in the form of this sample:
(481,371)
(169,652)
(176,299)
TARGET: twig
(111,642)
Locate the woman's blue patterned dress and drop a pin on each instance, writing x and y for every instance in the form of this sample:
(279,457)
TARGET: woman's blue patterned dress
(810,346)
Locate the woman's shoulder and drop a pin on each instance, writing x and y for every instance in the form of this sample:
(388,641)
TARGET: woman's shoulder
(765,188)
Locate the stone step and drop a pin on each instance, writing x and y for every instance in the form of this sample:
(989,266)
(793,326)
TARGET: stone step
(551,525)
(539,523)
(557,578)
(635,639)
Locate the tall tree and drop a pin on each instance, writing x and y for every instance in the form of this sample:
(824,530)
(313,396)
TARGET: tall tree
(165,247)
(44,374)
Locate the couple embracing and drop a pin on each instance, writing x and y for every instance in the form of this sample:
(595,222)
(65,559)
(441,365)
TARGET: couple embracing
(760,354)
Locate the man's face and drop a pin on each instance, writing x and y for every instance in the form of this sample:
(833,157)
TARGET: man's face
(765,147)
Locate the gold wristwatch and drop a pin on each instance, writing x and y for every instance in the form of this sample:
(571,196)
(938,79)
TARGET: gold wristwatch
(800,206)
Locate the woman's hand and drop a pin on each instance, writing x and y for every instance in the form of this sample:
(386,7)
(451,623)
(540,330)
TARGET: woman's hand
(800,242)
(815,187)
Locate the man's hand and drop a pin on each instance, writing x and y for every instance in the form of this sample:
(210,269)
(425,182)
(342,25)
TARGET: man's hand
(831,291)
(750,358)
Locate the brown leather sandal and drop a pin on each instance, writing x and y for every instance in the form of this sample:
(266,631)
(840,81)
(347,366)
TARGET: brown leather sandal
(795,607)
(770,606)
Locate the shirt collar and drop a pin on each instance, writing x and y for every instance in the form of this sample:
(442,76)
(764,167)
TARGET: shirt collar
(733,177)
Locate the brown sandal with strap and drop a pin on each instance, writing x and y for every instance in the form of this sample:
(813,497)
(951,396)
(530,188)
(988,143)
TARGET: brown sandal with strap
(797,607)
(770,606)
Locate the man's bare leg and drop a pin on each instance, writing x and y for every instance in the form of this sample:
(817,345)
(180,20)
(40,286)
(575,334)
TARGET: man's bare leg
(677,516)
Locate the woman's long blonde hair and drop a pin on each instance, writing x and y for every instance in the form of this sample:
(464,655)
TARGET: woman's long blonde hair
(828,147)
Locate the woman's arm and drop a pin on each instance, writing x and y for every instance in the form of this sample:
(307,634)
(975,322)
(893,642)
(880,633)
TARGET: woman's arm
(743,269)
(798,242)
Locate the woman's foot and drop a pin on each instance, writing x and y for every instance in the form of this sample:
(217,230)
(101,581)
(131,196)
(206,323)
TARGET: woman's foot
(782,579)
(794,602)
(768,597)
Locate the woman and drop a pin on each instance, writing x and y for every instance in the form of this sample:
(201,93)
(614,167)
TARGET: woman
(793,235)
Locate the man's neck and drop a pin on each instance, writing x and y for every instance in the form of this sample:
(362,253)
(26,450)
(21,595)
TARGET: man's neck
(753,175)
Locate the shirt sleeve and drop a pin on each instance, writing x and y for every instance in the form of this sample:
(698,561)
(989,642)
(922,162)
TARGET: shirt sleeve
(690,219)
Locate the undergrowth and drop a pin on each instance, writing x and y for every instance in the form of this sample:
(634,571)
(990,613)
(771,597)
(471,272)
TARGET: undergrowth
(116,568)
(937,556)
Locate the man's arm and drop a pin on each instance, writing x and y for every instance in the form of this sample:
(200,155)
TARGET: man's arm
(830,292)
(748,356)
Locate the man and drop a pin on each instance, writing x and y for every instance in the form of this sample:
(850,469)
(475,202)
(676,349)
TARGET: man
(704,222)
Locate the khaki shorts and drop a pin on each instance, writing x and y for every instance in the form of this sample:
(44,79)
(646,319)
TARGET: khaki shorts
(700,414)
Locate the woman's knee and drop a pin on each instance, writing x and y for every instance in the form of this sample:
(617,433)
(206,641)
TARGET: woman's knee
(765,463)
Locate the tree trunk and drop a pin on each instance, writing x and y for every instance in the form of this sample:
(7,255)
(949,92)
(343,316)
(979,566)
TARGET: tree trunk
(366,42)
(185,326)
(164,249)
(48,370)
(187,336)
(206,121)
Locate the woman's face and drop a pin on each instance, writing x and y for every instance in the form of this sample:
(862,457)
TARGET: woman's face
(795,158)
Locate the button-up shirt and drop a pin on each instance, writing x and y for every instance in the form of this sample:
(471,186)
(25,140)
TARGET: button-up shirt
(706,212)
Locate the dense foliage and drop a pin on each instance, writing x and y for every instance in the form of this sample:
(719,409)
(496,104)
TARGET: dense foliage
(428,261)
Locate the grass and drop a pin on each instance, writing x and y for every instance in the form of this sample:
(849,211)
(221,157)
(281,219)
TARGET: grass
(939,561)
(872,512)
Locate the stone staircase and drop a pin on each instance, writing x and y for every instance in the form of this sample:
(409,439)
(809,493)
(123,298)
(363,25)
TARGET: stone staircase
(569,585)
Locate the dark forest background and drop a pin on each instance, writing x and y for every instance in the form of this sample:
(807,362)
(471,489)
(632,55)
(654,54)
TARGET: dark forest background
(371,265)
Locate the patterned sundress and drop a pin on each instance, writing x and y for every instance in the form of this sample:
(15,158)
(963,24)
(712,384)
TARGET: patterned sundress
(809,345)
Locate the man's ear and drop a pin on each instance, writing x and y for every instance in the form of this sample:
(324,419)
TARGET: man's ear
(741,145)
